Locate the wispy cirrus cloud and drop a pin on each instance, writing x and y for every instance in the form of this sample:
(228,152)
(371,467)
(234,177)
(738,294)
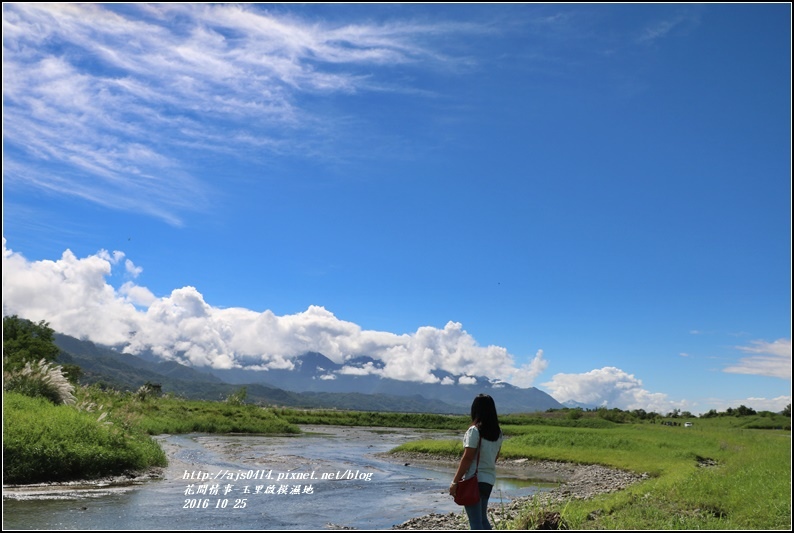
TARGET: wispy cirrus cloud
(771,359)
(661,29)
(112,103)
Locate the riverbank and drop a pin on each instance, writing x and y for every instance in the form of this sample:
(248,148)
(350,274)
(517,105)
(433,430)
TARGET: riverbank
(386,493)
(577,482)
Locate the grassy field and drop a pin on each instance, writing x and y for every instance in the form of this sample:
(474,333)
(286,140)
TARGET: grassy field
(722,473)
(156,415)
(715,475)
(47,442)
(368,418)
(107,433)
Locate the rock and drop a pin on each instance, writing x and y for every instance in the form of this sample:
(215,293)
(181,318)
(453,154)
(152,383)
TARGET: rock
(580,482)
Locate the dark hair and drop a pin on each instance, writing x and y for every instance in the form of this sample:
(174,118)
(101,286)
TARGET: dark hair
(483,415)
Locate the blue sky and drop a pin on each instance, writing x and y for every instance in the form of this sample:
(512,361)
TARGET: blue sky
(593,199)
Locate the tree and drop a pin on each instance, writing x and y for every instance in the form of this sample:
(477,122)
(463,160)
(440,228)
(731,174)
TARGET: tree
(744,411)
(27,342)
(787,411)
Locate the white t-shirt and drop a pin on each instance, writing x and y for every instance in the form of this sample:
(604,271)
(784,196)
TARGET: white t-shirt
(490,449)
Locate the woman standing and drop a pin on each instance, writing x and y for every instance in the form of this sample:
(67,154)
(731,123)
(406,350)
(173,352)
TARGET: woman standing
(483,438)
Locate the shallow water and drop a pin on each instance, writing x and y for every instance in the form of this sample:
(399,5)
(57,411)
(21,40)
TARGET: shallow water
(327,478)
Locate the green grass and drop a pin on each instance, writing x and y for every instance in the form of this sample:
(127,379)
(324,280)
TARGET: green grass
(47,442)
(161,415)
(749,488)
(109,433)
(375,419)
(430,421)
(157,415)
(557,419)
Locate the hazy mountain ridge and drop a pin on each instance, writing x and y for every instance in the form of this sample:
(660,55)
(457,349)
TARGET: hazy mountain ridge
(315,381)
(574,405)
(314,372)
(108,366)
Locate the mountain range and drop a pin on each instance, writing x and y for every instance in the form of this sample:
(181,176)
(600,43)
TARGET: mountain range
(315,382)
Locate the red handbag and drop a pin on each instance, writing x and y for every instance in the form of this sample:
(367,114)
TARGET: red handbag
(468,490)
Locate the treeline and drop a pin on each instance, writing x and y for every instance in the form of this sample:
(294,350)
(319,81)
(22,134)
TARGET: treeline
(745,411)
(626,416)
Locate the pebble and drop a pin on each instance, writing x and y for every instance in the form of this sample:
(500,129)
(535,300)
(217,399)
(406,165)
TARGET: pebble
(577,482)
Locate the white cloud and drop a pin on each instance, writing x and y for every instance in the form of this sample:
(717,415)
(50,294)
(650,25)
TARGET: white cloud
(364,370)
(662,28)
(110,105)
(610,387)
(137,295)
(132,270)
(759,404)
(74,297)
(70,294)
(769,359)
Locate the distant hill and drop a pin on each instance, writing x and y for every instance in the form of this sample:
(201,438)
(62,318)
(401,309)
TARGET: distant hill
(573,405)
(316,381)
(315,372)
(110,367)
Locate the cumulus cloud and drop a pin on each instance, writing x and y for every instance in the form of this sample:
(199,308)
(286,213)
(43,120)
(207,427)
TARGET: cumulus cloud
(609,387)
(364,370)
(759,404)
(73,295)
(771,359)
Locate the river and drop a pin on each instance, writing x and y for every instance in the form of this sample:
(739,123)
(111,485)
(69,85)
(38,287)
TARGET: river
(327,478)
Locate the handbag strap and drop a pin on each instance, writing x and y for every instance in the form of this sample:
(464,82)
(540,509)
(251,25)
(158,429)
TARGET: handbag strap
(479,450)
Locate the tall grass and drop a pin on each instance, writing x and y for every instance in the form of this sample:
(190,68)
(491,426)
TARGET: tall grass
(40,380)
(167,414)
(108,432)
(46,442)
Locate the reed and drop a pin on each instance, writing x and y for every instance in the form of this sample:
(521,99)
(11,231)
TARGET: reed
(46,442)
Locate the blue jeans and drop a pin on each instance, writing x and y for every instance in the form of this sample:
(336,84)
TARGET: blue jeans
(478,513)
